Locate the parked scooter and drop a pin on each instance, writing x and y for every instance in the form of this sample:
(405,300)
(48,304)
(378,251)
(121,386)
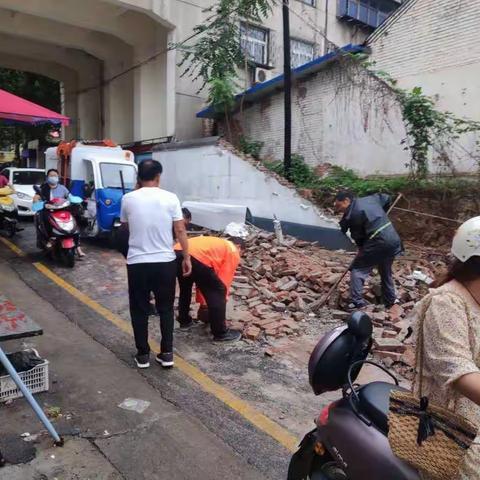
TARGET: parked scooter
(62,240)
(350,441)
(8,212)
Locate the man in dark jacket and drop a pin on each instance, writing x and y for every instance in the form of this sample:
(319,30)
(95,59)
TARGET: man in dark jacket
(377,240)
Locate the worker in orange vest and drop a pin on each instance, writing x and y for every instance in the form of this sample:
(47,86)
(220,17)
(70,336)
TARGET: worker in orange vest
(214,263)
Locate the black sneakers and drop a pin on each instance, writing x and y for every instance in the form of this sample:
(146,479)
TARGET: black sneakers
(229,336)
(184,327)
(142,361)
(165,359)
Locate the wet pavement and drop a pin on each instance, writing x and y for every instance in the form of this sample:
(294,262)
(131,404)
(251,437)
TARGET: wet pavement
(94,403)
(275,385)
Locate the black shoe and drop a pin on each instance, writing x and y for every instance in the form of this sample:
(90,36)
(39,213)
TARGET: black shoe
(352,307)
(165,359)
(152,310)
(184,327)
(229,336)
(142,361)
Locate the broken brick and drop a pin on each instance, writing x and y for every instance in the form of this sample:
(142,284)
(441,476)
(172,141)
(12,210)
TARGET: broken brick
(383,354)
(389,345)
(389,334)
(252,333)
(279,307)
(340,314)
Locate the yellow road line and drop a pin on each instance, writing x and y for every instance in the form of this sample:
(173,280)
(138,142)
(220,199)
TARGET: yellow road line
(12,247)
(259,420)
(262,422)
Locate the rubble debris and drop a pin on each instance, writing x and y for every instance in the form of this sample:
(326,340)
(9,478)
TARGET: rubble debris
(277,287)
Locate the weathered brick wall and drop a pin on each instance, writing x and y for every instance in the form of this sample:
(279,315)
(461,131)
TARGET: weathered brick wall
(429,36)
(340,115)
(434,45)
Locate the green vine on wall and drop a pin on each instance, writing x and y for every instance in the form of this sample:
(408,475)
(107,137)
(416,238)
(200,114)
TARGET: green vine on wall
(427,128)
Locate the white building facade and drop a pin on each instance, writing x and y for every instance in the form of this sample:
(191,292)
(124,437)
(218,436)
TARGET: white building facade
(433,45)
(344,116)
(119,76)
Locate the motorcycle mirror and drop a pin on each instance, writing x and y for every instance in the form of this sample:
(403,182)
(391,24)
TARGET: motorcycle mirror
(37,189)
(360,325)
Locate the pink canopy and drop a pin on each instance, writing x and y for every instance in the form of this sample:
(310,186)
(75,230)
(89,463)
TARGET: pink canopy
(20,110)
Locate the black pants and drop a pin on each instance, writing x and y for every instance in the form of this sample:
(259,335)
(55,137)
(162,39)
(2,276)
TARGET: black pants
(359,275)
(158,278)
(213,290)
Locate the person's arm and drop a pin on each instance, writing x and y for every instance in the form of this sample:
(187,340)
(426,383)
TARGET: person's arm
(447,349)
(38,197)
(229,266)
(123,211)
(181,236)
(469,386)
(344,227)
(385,200)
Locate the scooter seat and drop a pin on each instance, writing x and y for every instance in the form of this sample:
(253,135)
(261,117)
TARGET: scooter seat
(374,402)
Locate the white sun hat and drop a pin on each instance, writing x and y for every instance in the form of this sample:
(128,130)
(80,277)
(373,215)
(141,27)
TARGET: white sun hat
(466,243)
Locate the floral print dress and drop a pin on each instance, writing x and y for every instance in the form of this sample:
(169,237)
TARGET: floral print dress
(451,350)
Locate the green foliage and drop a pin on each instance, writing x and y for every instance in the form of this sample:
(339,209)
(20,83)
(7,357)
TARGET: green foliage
(427,127)
(302,175)
(36,88)
(338,178)
(346,179)
(216,56)
(250,147)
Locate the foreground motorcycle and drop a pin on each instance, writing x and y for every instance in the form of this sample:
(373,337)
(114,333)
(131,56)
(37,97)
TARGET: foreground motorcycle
(8,212)
(61,240)
(350,441)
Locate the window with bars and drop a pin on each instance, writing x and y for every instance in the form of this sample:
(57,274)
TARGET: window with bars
(367,12)
(254,42)
(300,52)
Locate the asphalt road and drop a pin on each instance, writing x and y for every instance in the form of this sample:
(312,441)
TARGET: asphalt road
(213,429)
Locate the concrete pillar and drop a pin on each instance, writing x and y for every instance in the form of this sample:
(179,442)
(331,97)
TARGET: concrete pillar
(153,83)
(118,105)
(69,108)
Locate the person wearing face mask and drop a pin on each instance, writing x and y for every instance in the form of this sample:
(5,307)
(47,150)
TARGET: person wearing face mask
(50,190)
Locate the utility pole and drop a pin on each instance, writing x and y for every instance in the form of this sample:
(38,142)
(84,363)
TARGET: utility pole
(287,75)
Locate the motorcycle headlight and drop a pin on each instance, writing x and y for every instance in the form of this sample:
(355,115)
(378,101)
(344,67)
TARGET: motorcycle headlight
(23,196)
(66,226)
(7,208)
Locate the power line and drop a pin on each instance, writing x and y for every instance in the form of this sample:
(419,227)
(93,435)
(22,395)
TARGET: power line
(153,57)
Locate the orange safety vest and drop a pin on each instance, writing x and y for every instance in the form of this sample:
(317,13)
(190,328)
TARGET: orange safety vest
(217,253)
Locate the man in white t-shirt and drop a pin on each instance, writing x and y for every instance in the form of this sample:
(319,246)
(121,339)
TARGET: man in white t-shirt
(150,214)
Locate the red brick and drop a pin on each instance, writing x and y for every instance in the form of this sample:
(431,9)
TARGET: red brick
(252,333)
(385,354)
(389,345)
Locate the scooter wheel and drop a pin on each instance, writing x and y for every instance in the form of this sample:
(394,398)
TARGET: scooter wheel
(328,471)
(69,257)
(11,229)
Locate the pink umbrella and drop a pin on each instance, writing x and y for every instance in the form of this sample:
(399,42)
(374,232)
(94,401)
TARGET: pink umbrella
(20,110)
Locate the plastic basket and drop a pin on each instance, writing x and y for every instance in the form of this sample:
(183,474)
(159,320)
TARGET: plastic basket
(36,380)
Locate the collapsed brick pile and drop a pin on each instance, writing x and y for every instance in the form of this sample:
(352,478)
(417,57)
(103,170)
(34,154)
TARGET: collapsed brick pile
(278,284)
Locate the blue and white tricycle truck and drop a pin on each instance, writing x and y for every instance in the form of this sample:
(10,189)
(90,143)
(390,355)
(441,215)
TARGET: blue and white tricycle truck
(100,172)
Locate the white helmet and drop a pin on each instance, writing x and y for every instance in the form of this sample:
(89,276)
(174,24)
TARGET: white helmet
(466,243)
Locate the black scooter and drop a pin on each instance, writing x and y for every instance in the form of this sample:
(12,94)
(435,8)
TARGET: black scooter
(350,439)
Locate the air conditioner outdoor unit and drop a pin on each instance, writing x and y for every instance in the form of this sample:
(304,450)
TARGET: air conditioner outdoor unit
(262,75)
